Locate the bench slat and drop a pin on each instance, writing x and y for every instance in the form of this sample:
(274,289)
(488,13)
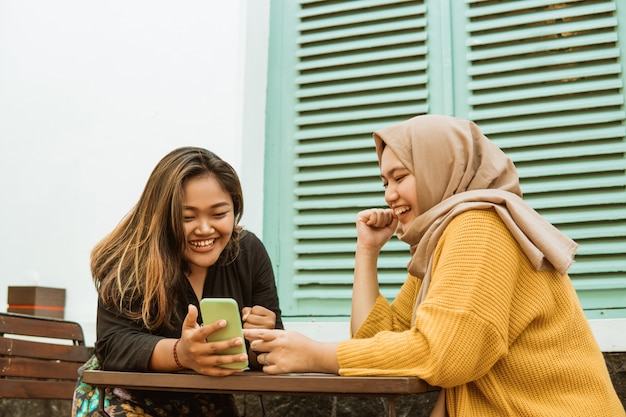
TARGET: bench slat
(41,327)
(37,389)
(30,349)
(34,368)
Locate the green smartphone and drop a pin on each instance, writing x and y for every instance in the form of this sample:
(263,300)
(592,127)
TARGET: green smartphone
(214,309)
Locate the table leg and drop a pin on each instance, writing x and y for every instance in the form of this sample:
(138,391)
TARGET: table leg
(101,411)
(391,406)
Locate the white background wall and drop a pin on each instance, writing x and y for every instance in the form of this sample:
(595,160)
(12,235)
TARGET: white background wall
(92,95)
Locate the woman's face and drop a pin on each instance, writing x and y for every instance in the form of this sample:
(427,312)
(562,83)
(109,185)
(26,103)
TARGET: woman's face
(208,221)
(400,192)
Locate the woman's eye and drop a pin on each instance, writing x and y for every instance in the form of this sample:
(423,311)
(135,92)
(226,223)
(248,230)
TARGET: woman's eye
(385,184)
(187,218)
(220,214)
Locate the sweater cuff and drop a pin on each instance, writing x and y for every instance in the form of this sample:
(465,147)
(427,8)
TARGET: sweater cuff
(350,354)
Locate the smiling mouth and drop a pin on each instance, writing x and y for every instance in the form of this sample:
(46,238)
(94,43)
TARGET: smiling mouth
(199,244)
(401,210)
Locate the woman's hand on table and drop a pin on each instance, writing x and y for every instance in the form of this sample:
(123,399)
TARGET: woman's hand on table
(288,351)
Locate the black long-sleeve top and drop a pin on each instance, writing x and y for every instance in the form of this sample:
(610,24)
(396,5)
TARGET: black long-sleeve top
(124,344)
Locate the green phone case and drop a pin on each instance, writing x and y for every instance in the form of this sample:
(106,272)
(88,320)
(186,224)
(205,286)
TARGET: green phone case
(214,309)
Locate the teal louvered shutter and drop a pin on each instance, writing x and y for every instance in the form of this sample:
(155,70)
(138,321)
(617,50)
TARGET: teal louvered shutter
(542,78)
(545,82)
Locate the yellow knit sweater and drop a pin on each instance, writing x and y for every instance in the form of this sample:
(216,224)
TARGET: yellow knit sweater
(502,338)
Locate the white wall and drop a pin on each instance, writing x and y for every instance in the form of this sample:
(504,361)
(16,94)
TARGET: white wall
(92,95)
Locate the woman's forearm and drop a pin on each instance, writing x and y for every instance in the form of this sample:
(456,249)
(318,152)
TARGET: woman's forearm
(365,289)
(163,358)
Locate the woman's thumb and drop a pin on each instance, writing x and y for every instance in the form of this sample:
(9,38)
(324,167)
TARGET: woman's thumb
(191,319)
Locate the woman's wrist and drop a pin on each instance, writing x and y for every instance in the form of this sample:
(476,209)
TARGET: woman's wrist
(175,354)
(369,250)
(326,360)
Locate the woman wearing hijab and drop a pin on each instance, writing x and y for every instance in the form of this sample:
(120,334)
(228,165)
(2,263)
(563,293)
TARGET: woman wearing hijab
(487,312)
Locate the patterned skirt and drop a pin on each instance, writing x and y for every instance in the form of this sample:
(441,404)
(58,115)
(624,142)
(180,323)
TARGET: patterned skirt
(136,403)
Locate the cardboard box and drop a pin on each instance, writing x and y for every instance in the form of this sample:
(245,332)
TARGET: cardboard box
(37,301)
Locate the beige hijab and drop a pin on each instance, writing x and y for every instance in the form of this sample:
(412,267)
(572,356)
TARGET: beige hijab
(456,169)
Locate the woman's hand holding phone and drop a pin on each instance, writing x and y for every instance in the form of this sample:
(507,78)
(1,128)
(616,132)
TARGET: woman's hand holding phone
(217,310)
(196,351)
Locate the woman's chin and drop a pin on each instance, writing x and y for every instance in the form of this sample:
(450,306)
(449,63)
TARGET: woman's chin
(404,223)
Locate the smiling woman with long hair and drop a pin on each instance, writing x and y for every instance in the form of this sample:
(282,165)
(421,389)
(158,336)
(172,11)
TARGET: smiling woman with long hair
(180,243)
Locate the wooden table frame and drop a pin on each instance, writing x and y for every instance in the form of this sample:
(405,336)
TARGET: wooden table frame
(251,382)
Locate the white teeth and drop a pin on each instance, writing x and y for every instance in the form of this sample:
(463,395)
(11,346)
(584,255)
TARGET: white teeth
(203,243)
(401,210)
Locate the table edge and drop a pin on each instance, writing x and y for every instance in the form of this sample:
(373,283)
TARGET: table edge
(259,382)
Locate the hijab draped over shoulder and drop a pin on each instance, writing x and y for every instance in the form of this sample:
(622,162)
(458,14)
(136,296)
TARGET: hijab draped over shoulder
(457,168)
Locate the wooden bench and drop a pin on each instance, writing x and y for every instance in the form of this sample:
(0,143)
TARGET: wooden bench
(40,357)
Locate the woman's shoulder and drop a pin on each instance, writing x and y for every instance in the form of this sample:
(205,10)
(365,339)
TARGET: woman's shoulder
(478,231)
(248,237)
(477,221)
(248,241)
(478,215)
(252,251)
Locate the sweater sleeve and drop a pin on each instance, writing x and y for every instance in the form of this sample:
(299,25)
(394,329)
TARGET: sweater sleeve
(460,330)
(123,344)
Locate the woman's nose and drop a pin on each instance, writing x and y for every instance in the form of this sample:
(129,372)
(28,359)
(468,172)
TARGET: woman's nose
(204,227)
(391,194)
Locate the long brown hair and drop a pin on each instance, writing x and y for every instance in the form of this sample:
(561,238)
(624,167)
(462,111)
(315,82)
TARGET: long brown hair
(136,267)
